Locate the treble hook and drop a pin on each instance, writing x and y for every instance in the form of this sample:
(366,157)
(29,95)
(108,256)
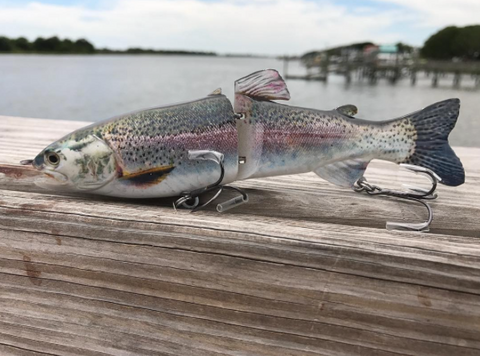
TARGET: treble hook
(218,158)
(416,194)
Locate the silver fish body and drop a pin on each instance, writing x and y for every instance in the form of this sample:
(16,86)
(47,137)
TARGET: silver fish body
(147,153)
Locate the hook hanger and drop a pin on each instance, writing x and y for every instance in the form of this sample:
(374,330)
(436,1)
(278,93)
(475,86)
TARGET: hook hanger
(414,194)
(191,200)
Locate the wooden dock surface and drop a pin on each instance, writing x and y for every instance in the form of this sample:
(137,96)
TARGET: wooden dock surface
(305,268)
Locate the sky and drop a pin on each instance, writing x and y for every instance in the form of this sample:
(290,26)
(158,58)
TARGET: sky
(271,27)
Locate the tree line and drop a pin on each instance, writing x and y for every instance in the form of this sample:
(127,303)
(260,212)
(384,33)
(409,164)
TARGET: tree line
(451,42)
(45,45)
(55,45)
(461,43)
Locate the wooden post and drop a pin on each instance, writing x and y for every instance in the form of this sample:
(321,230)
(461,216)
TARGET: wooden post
(396,69)
(324,67)
(457,76)
(348,73)
(414,69)
(373,75)
(371,72)
(348,76)
(435,78)
(413,75)
(285,66)
(395,75)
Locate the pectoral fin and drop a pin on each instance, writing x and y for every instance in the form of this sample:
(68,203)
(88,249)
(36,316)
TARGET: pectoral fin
(343,173)
(147,177)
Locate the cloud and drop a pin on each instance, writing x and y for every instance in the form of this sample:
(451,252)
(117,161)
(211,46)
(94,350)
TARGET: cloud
(232,26)
(440,13)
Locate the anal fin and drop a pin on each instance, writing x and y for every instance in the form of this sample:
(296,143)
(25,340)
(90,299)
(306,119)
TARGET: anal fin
(147,177)
(343,173)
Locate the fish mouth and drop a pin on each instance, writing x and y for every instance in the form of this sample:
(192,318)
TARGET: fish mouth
(57,176)
(51,180)
(40,166)
(50,175)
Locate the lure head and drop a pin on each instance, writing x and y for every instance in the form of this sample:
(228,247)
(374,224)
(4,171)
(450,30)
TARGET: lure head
(78,163)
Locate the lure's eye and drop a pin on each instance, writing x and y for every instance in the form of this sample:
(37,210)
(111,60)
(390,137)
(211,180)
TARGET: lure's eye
(52,158)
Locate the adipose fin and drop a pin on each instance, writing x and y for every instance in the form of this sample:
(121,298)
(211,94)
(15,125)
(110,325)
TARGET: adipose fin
(349,110)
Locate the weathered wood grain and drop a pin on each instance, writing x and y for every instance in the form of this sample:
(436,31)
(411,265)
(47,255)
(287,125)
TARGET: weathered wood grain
(306,196)
(304,269)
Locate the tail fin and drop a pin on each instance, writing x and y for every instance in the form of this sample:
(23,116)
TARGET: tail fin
(433,125)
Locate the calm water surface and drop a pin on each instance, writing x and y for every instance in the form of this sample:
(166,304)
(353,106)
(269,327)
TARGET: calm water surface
(92,88)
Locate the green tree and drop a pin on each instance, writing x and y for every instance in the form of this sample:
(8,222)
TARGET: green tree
(5,44)
(467,43)
(439,45)
(38,44)
(83,46)
(22,44)
(452,41)
(51,44)
(66,46)
(404,48)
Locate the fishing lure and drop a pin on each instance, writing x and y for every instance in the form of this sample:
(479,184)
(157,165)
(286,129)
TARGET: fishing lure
(191,148)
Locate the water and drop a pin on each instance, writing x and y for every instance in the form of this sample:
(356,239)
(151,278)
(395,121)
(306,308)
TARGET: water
(92,88)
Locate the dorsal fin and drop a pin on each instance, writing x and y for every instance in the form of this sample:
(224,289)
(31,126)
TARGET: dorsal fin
(217,91)
(349,110)
(263,85)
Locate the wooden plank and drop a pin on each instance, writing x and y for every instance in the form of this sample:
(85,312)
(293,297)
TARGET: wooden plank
(304,269)
(295,281)
(306,196)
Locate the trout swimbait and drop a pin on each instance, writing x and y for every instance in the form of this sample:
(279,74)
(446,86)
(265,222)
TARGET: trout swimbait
(148,153)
